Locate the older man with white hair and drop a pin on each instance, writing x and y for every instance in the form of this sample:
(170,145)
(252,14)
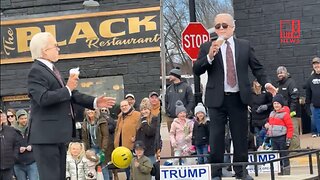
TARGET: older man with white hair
(227,60)
(52,123)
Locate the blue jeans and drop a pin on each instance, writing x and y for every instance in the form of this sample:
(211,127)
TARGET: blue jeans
(152,159)
(127,170)
(24,171)
(260,134)
(316,118)
(202,149)
(105,172)
(313,124)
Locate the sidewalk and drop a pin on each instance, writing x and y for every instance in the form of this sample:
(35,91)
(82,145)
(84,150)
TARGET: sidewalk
(300,165)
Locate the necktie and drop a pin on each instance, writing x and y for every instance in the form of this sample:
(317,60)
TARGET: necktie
(58,75)
(231,72)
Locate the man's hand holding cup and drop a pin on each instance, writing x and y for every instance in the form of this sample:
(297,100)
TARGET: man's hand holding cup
(215,46)
(73,78)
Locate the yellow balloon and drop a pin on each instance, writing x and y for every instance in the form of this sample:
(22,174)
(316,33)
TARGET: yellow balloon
(121,157)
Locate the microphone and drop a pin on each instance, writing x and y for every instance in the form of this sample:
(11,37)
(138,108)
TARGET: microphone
(219,41)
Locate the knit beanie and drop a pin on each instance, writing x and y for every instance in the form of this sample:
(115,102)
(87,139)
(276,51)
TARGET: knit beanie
(282,69)
(145,104)
(200,108)
(176,72)
(180,107)
(278,98)
(21,112)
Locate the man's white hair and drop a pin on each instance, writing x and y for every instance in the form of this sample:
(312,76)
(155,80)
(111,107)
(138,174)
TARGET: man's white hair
(38,43)
(226,14)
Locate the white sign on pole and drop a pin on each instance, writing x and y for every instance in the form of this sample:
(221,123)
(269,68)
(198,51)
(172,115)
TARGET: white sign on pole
(191,172)
(263,158)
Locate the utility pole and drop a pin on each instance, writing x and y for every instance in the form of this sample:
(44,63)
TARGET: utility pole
(196,79)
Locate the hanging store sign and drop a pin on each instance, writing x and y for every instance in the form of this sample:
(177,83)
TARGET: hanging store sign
(85,35)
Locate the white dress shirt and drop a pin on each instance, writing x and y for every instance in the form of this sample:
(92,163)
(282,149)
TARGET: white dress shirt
(223,49)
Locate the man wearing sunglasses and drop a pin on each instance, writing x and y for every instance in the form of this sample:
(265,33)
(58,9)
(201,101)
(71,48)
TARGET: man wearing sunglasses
(228,92)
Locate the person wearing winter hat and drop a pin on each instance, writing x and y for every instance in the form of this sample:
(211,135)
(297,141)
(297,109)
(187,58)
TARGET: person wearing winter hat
(280,130)
(288,88)
(178,90)
(200,134)
(181,133)
(147,129)
(176,72)
(141,165)
(313,96)
(26,165)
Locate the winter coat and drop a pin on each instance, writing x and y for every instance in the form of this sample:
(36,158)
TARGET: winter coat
(313,90)
(200,134)
(280,123)
(147,134)
(181,134)
(102,136)
(143,171)
(76,170)
(289,90)
(126,129)
(26,157)
(111,129)
(259,119)
(9,144)
(180,91)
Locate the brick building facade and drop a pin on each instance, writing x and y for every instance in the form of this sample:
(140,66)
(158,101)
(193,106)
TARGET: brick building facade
(139,71)
(262,22)
(283,33)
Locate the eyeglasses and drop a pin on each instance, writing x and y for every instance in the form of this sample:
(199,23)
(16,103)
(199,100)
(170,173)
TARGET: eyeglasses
(224,26)
(54,47)
(10,116)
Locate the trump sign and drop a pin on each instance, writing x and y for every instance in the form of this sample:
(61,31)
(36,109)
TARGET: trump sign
(192,172)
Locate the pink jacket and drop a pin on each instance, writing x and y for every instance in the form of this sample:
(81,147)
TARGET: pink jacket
(181,133)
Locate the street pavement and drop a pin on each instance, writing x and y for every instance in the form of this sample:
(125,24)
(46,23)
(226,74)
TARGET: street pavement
(299,166)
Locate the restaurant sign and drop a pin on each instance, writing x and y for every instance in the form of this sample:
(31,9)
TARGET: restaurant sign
(85,35)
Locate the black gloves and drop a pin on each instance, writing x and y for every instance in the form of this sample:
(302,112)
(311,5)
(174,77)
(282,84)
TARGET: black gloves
(262,108)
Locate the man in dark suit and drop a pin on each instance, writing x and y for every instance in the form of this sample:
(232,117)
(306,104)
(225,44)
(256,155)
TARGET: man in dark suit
(228,90)
(52,122)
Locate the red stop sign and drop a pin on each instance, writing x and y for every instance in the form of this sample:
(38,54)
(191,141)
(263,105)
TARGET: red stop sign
(192,37)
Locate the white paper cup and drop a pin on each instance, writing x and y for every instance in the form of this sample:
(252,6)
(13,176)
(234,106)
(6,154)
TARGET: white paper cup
(74,72)
(220,40)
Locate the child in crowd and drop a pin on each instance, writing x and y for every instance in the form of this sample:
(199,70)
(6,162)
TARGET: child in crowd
(181,133)
(93,161)
(141,165)
(76,165)
(280,130)
(200,134)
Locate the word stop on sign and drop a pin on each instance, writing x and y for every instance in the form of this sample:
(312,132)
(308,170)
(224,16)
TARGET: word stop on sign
(195,40)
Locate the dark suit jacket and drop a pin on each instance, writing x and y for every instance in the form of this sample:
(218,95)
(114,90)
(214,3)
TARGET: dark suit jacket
(51,121)
(245,58)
